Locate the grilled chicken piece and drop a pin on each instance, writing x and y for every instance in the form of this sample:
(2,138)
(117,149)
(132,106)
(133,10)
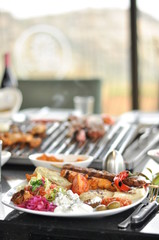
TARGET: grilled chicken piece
(81,128)
(10,139)
(93,182)
(38,129)
(81,136)
(95,126)
(33,138)
(20,197)
(35,142)
(13,138)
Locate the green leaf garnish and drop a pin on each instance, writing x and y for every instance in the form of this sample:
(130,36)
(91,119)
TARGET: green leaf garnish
(36,184)
(149,170)
(155,180)
(143,175)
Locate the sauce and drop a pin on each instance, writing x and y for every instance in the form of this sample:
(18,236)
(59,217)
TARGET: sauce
(70,203)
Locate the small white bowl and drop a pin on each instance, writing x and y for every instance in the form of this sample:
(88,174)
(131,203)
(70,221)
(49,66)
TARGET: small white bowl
(5,155)
(67,159)
(154,154)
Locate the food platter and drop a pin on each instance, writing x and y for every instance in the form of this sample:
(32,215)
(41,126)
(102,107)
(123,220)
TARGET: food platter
(76,192)
(6,200)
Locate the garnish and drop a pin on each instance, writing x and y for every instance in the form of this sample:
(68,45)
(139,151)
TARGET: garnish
(153,181)
(36,184)
(118,181)
(38,203)
(51,195)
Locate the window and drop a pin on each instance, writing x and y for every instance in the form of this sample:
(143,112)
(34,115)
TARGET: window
(63,39)
(148,54)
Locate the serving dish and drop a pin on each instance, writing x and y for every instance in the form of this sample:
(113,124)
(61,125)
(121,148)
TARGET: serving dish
(6,200)
(154,154)
(84,160)
(5,155)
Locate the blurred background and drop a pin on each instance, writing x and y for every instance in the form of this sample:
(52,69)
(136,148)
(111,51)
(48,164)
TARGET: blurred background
(115,41)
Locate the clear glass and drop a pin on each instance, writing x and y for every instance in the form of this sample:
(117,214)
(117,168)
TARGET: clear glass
(84,105)
(148,50)
(64,39)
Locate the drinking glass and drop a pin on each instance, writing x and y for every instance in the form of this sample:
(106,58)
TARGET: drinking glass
(84,104)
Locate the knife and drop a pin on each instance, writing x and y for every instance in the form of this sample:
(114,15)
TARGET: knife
(141,213)
(124,224)
(144,213)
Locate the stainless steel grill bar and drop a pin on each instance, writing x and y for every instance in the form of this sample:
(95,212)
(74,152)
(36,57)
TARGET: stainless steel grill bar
(57,142)
(52,137)
(64,145)
(119,136)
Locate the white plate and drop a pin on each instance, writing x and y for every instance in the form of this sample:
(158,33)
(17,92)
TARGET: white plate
(7,197)
(67,159)
(154,154)
(5,157)
(10,101)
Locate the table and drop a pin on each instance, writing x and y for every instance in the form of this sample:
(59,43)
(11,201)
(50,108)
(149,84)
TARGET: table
(16,225)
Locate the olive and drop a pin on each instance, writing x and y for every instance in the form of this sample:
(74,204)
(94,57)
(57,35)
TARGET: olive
(101,208)
(113,205)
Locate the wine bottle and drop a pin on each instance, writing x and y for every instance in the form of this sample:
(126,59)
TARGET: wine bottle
(8,79)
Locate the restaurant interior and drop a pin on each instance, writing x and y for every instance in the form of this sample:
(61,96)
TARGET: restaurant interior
(79,119)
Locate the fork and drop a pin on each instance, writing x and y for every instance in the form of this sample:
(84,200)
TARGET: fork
(143,210)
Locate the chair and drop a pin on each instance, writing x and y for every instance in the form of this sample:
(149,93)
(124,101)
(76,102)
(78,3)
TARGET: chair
(58,93)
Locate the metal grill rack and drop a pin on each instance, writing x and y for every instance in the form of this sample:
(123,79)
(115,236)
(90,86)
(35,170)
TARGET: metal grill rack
(124,136)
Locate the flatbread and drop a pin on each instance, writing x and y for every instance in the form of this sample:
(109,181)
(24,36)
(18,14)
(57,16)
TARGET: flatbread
(54,177)
(133,195)
(95,193)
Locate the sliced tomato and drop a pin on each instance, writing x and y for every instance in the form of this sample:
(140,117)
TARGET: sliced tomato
(122,201)
(80,184)
(39,191)
(52,186)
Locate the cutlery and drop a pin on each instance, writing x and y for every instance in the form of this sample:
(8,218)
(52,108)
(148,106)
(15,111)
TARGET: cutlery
(152,206)
(128,220)
(143,211)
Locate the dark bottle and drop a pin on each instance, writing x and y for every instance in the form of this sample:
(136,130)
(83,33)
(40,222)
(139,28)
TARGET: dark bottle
(8,79)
